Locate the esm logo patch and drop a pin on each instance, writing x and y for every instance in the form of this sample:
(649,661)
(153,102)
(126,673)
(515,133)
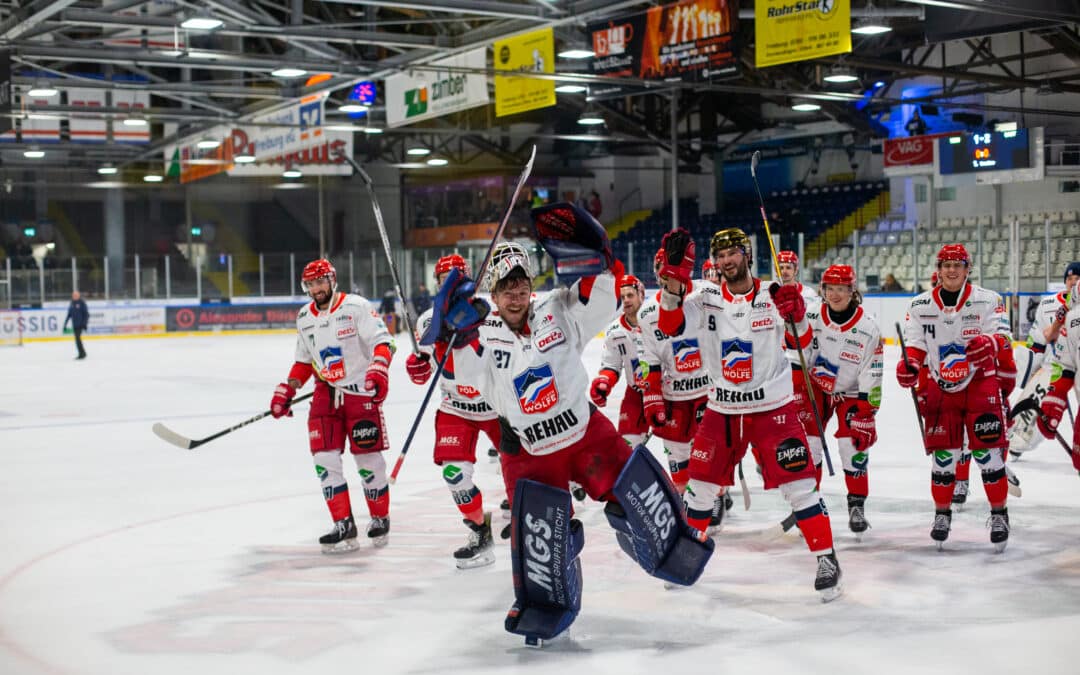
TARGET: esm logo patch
(536,390)
(366,434)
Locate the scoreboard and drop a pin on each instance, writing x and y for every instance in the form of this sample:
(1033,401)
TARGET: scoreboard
(984,151)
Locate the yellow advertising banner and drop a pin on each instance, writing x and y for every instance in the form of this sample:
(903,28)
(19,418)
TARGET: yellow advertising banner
(532,52)
(796,30)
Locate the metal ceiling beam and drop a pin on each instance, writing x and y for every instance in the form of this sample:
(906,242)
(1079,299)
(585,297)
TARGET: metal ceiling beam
(289,33)
(24,19)
(951,73)
(1018,9)
(221,60)
(492,8)
(165,88)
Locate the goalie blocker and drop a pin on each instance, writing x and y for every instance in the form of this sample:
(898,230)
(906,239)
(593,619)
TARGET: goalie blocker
(574,239)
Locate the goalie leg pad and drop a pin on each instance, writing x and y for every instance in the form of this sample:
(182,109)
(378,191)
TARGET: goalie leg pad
(649,520)
(545,543)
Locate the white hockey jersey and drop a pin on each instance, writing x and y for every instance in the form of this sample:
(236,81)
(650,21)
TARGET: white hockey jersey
(1067,348)
(622,349)
(809,295)
(683,374)
(943,332)
(1044,316)
(463,400)
(846,359)
(740,340)
(536,380)
(339,342)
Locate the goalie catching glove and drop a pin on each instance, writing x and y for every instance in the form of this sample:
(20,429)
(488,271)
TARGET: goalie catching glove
(455,310)
(575,240)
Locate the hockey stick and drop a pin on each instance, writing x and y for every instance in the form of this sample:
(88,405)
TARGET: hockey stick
(754,159)
(914,398)
(1030,403)
(745,489)
(169,436)
(386,248)
(525,173)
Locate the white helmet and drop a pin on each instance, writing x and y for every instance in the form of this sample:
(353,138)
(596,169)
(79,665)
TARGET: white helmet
(507,256)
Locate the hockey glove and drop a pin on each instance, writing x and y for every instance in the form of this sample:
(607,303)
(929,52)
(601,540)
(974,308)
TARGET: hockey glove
(281,403)
(862,426)
(378,379)
(907,368)
(454,309)
(601,387)
(419,367)
(982,353)
(653,400)
(678,263)
(1050,411)
(789,302)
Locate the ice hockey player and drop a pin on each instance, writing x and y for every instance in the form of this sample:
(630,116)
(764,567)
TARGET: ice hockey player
(345,344)
(845,361)
(462,416)
(788,262)
(709,271)
(622,344)
(1034,378)
(1066,363)
(677,388)
(960,331)
(530,370)
(741,330)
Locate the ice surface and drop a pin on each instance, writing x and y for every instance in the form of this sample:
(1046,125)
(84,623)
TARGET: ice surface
(121,554)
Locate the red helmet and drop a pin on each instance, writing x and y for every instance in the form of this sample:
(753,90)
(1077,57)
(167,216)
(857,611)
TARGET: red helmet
(659,259)
(934,279)
(954,252)
(318,269)
(788,257)
(841,275)
(706,266)
(450,262)
(632,281)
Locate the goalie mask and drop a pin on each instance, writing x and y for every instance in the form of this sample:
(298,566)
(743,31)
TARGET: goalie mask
(507,257)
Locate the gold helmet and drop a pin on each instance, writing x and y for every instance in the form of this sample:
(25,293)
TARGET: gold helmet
(729,237)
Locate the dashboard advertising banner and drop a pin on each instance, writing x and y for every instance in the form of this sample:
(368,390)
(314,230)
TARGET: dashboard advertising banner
(230,317)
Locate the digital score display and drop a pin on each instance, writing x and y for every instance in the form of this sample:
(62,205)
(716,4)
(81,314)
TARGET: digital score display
(985,151)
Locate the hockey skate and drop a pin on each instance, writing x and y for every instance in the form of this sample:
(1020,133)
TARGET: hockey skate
(577,491)
(716,520)
(342,538)
(477,552)
(493,455)
(378,530)
(960,493)
(999,528)
(505,508)
(1014,483)
(828,577)
(857,522)
(939,532)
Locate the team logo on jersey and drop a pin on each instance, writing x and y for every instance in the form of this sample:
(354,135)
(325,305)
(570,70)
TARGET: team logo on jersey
(954,365)
(737,360)
(333,364)
(824,374)
(536,389)
(466,391)
(687,355)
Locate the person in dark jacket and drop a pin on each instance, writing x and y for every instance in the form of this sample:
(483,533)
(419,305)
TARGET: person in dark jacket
(79,316)
(422,300)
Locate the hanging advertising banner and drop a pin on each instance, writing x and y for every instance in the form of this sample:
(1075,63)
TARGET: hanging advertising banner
(40,127)
(910,155)
(135,102)
(533,52)
(795,30)
(86,129)
(292,136)
(691,40)
(426,94)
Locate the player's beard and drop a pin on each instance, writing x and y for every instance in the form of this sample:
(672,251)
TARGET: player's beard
(740,275)
(322,298)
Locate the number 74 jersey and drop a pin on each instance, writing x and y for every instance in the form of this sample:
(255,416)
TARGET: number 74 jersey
(944,332)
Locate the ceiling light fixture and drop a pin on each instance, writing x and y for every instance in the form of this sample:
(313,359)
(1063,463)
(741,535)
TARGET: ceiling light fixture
(208,143)
(418,152)
(135,122)
(352,108)
(291,173)
(152,178)
(42,88)
(107,170)
(805,107)
(590,118)
(438,161)
(840,75)
(33,153)
(577,54)
(202,23)
(571,88)
(287,72)
(244,158)
(372,130)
